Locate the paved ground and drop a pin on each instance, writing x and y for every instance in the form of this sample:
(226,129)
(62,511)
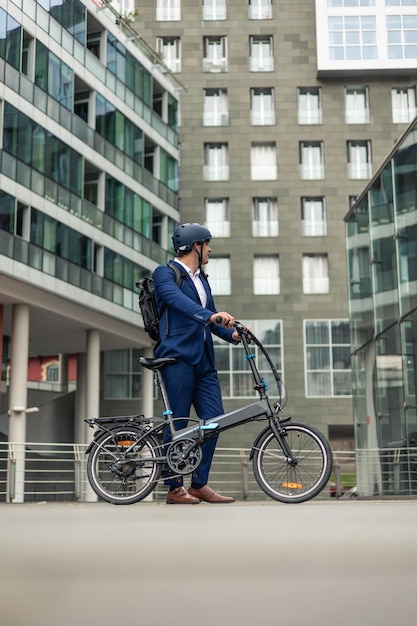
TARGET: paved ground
(335,563)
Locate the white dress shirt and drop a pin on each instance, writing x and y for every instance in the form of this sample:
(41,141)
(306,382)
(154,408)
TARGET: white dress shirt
(196,278)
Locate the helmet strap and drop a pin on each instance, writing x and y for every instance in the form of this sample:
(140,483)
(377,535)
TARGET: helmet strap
(199,253)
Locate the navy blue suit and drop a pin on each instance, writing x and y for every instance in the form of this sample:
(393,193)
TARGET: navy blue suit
(185,332)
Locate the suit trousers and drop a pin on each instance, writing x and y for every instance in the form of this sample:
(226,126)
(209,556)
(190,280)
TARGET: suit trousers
(198,386)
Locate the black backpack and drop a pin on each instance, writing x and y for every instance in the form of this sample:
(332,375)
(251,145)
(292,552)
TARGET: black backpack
(147,302)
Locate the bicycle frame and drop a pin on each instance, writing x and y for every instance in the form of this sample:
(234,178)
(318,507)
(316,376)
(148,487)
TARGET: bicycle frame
(201,431)
(261,409)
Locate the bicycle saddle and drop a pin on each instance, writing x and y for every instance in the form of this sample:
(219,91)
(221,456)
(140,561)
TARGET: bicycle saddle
(155,364)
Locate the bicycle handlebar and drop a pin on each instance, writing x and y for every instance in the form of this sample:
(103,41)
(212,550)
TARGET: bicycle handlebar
(238,326)
(241,329)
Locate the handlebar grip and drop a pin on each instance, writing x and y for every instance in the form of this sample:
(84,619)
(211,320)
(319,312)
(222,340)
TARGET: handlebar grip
(219,319)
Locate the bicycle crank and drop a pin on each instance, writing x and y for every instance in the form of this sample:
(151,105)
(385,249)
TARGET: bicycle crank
(184,456)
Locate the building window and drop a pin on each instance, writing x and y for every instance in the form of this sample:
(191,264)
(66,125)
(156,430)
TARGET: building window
(52,372)
(214,10)
(359,159)
(8,213)
(327,358)
(352,37)
(351,3)
(54,76)
(214,54)
(313,217)
(170,50)
(261,53)
(309,105)
(264,161)
(168,10)
(216,161)
(235,377)
(352,200)
(264,217)
(315,273)
(311,160)
(403,104)
(217,220)
(262,106)
(38,148)
(402,36)
(356,105)
(215,107)
(127,7)
(121,374)
(219,271)
(260,9)
(118,129)
(266,274)
(22,224)
(14,216)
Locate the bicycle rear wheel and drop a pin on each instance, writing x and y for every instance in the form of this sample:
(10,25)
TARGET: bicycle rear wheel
(121,472)
(302,480)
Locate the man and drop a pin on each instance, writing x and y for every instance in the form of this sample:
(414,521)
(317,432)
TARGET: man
(188,319)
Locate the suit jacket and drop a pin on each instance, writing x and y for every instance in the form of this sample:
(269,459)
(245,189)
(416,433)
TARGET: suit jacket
(184,326)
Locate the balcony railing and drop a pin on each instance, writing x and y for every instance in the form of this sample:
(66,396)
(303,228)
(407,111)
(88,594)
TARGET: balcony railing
(42,260)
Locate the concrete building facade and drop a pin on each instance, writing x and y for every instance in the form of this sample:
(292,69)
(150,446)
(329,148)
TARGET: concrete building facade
(288,107)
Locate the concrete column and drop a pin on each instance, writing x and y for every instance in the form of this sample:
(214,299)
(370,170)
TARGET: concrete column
(63,372)
(147,386)
(147,393)
(92,395)
(17,400)
(1,343)
(80,427)
(93,374)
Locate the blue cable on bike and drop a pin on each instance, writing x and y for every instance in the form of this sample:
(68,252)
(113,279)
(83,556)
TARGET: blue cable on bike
(250,356)
(167,413)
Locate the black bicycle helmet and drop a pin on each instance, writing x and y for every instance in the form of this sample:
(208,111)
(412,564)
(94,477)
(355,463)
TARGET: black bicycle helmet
(185,235)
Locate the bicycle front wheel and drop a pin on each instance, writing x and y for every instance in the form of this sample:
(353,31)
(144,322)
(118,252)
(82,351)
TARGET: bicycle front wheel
(121,471)
(300,480)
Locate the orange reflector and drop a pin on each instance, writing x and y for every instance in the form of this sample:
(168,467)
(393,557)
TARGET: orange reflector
(125,443)
(292,485)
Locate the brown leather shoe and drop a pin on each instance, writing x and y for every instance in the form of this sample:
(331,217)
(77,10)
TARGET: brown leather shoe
(208,495)
(181,496)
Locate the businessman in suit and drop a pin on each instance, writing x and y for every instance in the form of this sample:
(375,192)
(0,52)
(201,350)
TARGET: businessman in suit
(189,317)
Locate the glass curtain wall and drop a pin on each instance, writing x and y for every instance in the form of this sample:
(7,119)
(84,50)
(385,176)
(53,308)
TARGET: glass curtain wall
(381,233)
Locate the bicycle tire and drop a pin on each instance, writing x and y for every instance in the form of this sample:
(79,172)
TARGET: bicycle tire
(284,482)
(114,474)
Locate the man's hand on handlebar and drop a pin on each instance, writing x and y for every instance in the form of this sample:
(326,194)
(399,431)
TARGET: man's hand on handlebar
(225,319)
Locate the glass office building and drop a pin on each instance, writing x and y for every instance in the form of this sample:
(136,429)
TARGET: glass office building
(381,232)
(89,157)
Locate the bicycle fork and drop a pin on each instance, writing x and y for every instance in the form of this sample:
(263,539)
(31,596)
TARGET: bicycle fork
(281,438)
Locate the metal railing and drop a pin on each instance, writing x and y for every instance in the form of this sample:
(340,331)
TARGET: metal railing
(57,473)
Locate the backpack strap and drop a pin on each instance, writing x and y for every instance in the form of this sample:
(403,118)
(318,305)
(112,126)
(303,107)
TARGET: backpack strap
(179,273)
(179,276)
